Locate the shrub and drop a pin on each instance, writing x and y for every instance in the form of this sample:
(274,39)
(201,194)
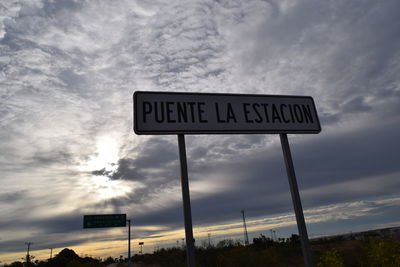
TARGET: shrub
(331,258)
(383,252)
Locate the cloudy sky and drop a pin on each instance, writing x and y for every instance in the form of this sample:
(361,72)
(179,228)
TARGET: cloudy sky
(68,70)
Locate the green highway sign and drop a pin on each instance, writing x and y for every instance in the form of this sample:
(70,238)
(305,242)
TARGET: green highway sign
(105,220)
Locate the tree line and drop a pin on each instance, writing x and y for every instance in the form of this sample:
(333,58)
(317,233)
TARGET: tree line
(337,252)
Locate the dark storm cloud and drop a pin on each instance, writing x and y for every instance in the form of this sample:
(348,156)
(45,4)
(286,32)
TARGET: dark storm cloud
(155,154)
(348,157)
(156,169)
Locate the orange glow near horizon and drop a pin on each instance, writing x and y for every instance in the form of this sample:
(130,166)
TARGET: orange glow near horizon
(164,238)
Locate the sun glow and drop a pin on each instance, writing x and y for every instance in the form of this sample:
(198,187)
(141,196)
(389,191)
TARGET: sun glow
(106,156)
(104,159)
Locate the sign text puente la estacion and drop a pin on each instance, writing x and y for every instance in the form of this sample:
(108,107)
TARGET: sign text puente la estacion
(192,113)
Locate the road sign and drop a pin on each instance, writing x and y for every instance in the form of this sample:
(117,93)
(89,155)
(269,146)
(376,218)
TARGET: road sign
(199,113)
(104,220)
(203,113)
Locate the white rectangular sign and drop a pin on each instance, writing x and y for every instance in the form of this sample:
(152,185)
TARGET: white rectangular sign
(203,113)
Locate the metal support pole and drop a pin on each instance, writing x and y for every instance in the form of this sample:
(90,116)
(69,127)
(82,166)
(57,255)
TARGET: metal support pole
(294,190)
(129,241)
(187,213)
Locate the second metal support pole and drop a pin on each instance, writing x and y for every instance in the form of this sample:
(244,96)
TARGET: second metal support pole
(187,213)
(298,209)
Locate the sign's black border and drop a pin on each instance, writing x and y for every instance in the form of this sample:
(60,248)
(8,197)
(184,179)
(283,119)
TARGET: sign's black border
(195,132)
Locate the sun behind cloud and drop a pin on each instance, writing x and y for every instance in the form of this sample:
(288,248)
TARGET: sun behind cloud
(106,159)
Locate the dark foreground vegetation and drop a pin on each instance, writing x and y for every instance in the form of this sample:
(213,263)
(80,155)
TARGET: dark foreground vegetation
(335,252)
